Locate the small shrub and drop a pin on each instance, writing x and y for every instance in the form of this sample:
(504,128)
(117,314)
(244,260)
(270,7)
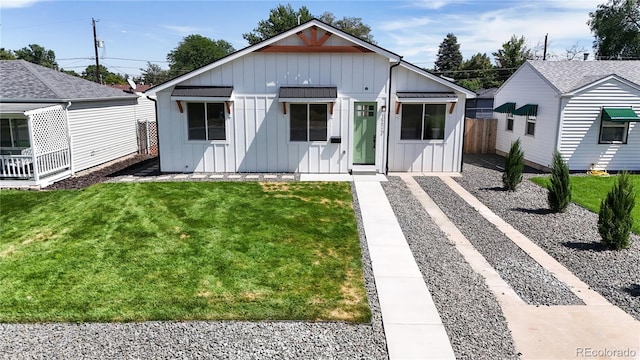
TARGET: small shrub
(513,166)
(614,218)
(559,195)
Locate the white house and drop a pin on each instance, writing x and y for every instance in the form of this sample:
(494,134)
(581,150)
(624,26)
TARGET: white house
(310,100)
(53,124)
(587,110)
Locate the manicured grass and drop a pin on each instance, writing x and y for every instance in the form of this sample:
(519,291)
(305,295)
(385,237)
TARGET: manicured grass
(181,251)
(588,192)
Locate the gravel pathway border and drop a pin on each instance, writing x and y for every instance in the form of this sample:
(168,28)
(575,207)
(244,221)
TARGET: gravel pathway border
(571,237)
(532,282)
(469,311)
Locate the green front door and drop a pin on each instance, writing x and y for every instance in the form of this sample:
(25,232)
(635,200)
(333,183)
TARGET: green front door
(364,133)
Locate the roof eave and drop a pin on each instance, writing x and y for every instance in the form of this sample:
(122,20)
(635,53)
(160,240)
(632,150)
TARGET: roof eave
(599,81)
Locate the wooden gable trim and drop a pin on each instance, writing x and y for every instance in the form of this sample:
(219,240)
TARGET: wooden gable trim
(179,106)
(451,107)
(314,45)
(313,49)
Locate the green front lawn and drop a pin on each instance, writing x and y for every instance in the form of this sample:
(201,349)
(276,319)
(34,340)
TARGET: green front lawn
(588,192)
(181,251)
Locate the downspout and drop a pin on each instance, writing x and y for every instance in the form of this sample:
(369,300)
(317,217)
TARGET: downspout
(69,139)
(389,110)
(155,102)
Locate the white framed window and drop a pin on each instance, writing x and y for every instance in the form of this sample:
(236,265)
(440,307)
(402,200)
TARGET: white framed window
(206,121)
(509,122)
(612,132)
(308,122)
(530,126)
(423,121)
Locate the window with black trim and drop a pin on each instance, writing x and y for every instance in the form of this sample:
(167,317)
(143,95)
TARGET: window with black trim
(530,126)
(308,122)
(613,132)
(509,122)
(206,121)
(423,121)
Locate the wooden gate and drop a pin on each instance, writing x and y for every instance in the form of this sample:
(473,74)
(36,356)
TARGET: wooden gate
(480,136)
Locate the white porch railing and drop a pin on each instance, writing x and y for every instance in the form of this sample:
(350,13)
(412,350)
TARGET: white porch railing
(53,162)
(16,166)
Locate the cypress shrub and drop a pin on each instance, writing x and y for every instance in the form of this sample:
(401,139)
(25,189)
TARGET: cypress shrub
(513,166)
(559,195)
(614,218)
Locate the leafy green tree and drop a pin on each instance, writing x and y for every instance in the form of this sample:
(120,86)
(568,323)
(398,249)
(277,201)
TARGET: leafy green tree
(106,76)
(616,27)
(350,25)
(195,51)
(153,74)
(72,73)
(477,73)
(281,19)
(512,54)
(449,57)
(615,219)
(559,188)
(513,167)
(37,54)
(6,54)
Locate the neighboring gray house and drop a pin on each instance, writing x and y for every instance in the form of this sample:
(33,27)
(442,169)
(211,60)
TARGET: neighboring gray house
(587,110)
(53,124)
(482,106)
(313,99)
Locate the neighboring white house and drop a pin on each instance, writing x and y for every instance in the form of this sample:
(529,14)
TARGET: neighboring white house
(53,124)
(310,100)
(587,110)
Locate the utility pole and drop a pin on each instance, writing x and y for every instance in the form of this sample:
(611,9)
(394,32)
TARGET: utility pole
(95,47)
(544,54)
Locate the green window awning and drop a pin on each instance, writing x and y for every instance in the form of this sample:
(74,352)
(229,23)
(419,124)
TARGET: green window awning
(619,114)
(506,108)
(527,110)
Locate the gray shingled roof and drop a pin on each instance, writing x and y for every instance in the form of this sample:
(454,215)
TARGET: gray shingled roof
(203,91)
(567,76)
(308,92)
(24,81)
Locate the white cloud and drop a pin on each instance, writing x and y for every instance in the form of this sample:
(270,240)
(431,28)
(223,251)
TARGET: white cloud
(182,30)
(483,29)
(12,4)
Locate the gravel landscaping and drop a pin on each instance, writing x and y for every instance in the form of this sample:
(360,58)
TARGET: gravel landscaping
(470,313)
(533,283)
(571,238)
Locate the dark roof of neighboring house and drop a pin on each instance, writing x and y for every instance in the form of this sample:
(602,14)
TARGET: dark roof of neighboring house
(567,76)
(24,81)
(486,93)
(127,87)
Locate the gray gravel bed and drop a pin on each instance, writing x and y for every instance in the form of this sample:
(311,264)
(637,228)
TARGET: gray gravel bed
(532,282)
(188,340)
(205,339)
(470,313)
(571,238)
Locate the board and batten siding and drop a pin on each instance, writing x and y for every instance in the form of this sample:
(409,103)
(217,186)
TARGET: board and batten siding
(528,87)
(257,130)
(101,131)
(428,155)
(581,120)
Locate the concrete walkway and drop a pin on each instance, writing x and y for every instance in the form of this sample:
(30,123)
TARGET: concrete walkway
(412,325)
(549,332)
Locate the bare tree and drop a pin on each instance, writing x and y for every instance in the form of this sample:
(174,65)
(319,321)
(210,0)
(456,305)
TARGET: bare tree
(575,52)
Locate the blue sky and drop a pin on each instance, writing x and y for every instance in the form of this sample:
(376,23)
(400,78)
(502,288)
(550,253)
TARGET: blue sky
(147,30)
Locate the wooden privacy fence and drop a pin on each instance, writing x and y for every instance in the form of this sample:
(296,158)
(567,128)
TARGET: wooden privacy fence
(480,136)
